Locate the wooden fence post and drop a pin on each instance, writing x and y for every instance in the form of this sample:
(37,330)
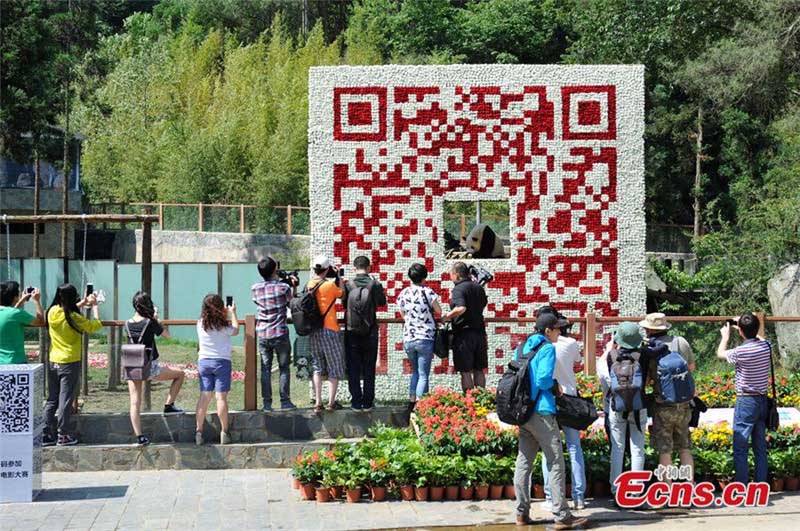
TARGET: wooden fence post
(590,344)
(200,217)
(250,365)
(112,357)
(289,219)
(161,216)
(241,219)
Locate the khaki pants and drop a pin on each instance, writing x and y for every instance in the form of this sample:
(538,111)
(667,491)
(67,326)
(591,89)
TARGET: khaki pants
(541,431)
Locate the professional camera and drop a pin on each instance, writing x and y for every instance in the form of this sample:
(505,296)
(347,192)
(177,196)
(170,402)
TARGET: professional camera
(480,275)
(334,271)
(292,278)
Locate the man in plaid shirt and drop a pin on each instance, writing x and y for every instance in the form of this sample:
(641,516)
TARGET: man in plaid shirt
(272,297)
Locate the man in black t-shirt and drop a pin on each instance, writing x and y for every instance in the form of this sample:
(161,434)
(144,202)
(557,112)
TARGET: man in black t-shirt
(467,301)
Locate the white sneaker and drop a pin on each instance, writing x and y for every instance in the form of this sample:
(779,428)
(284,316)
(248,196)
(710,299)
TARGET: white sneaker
(579,505)
(547,506)
(224,438)
(198,438)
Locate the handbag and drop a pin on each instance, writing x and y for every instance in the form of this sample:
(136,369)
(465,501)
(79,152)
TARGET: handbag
(135,360)
(441,336)
(773,418)
(576,412)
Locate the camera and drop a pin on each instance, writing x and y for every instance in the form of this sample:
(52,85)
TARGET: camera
(292,278)
(229,301)
(334,271)
(732,322)
(29,290)
(480,275)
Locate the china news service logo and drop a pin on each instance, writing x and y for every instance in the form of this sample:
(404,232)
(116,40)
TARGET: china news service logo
(673,488)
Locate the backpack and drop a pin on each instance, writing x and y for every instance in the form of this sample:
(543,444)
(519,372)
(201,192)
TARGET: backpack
(306,315)
(675,379)
(360,308)
(513,399)
(135,360)
(626,384)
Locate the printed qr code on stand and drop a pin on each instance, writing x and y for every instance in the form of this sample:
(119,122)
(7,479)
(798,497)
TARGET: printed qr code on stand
(15,393)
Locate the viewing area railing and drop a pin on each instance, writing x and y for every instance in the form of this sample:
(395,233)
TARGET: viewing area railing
(589,324)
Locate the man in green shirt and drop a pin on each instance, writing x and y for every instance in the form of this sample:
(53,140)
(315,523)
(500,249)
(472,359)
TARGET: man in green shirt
(13,320)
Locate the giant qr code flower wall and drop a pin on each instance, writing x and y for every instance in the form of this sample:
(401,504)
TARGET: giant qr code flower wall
(562,144)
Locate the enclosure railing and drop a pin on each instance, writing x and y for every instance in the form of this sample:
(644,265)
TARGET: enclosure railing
(589,325)
(213,217)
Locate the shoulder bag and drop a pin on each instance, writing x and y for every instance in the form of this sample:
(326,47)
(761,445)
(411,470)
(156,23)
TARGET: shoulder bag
(441,336)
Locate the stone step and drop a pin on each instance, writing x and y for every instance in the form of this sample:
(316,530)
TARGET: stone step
(97,457)
(245,426)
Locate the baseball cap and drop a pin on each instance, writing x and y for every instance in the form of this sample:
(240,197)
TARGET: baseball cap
(549,320)
(320,262)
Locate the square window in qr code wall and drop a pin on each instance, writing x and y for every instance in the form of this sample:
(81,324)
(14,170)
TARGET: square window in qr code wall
(562,145)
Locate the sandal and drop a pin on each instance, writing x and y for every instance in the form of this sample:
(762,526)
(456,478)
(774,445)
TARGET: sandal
(334,406)
(319,408)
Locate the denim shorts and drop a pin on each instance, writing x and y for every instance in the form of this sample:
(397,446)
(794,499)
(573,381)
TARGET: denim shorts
(215,375)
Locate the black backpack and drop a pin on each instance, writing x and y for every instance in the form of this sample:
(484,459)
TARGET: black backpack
(360,318)
(514,403)
(306,315)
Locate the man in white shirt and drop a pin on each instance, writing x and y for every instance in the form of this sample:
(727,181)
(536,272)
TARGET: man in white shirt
(568,361)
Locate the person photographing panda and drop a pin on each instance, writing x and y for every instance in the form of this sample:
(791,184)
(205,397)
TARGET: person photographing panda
(470,348)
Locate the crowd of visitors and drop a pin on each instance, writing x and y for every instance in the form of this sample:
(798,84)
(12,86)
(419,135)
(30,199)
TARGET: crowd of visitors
(642,374)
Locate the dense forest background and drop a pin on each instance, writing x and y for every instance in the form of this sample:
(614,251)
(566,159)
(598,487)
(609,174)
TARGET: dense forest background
(206,100)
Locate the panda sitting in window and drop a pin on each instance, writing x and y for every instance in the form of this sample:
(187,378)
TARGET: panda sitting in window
(482,242)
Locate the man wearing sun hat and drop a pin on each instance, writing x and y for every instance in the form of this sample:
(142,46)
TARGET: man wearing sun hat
(670,421)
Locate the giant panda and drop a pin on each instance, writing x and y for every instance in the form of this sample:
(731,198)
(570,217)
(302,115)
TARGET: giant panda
(484,243)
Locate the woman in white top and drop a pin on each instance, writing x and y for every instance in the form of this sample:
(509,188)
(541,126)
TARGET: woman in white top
(419,306)
(214,334)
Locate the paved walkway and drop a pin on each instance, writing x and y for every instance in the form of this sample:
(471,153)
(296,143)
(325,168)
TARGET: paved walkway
(263,499)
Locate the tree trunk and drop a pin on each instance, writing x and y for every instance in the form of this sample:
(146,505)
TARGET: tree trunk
(698,173)
(36,200)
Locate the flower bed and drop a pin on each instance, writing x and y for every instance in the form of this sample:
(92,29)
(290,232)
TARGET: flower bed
(457,452)
(716,390)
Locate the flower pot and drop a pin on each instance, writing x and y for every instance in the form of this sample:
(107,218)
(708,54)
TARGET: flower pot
(600,489)
(353,495)
(323,494)
(378,494)
(437,493)
(407,492)
(508,491)
(791,483)
(295,484)
(307,492)
(451,492)
(337,492)
(421,493)
(776,484)
(466,493)
(538,491)
(481,492)
(495,492)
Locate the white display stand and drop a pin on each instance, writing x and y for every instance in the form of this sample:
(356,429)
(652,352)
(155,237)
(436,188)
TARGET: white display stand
(21,426)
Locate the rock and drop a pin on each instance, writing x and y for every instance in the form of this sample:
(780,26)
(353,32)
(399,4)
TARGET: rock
(784,298)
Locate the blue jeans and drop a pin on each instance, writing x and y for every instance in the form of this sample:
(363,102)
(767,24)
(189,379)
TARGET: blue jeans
(620,428)
(420,354)
(573,437)
(750,420)
(267,348)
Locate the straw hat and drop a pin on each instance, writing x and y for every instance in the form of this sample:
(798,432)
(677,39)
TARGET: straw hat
(655,321)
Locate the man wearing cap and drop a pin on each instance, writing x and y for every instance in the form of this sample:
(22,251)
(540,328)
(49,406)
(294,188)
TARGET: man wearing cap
(670,421)
(327,350)
(541,430)
(625,426)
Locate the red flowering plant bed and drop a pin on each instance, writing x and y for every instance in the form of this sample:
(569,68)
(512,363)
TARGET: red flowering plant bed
(451,423)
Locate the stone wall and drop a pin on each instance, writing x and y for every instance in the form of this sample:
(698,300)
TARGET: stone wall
(189,246)
(784,298)
(388,145)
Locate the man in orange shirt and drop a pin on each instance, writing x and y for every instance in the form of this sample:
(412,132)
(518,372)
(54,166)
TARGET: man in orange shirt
(327,351)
